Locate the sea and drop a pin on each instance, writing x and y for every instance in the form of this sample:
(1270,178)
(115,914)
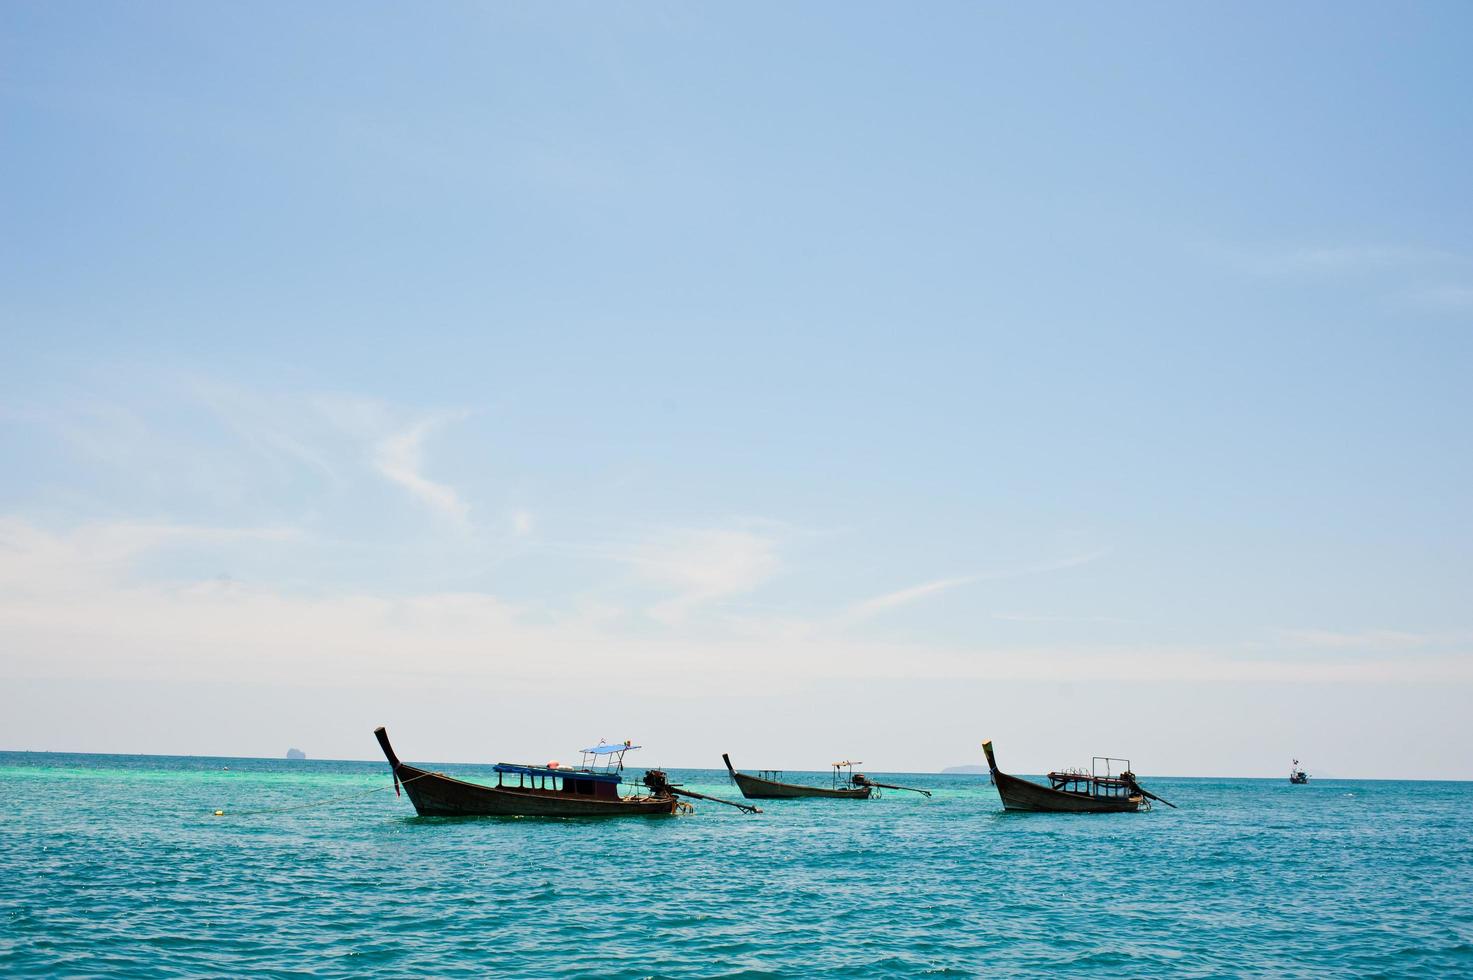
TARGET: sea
(116,866)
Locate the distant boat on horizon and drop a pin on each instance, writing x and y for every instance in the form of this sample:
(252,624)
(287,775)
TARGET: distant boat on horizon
(1297,775)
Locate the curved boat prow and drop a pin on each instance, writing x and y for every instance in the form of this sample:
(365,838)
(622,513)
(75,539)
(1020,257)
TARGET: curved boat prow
(539,791)
(727,759)
(383,743)
(1070,792)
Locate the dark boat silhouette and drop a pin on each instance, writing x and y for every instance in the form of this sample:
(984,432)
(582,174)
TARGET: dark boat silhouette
(590,790)
(1071,791)
(768,787)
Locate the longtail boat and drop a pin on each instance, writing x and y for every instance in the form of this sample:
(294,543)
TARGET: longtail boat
(590,789)
(767,786)
(1073,791)
(1297,776)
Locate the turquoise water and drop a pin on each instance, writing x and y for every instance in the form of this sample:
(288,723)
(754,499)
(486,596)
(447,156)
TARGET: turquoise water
(112,865)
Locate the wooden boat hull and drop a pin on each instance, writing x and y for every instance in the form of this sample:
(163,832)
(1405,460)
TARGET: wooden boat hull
(437,795)
(757,788)
(1024,794)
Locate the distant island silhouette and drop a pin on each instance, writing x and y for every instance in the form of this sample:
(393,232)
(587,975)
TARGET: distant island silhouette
(964,770)
(295,754)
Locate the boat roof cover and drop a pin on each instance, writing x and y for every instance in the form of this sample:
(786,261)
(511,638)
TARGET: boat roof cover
(604,749)
(563,772)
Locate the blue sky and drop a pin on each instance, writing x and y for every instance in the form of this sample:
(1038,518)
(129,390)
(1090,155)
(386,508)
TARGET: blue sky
(791,381)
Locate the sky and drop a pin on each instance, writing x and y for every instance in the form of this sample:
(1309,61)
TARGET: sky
(802,382)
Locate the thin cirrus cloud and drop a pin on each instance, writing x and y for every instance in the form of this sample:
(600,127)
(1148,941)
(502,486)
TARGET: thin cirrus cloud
(273,426)
(395,447)
(398,457)
(900,597)
(1345,259)
(78,616)
(1443,299)
(1361,257)
(874,606)
(702,565)
(330,435)
(1369,639)
(1416,278)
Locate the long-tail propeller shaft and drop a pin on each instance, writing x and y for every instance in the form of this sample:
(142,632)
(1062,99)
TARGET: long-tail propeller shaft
(908,789)
(744,807)
(860,779)
(658,782)
(1152,796)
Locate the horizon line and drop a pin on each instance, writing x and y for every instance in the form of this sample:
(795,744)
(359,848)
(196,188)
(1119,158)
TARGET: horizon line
(905,772)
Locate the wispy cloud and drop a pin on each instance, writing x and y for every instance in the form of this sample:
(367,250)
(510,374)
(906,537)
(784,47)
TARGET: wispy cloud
(273,425)
(79,620)
(83,612)
(1344,259)
(703,565)
(1367,639)
(1358,258)
(1443,299)
(398,456)
(341,438)
(900,597)
(868,608)
(1050,565)
(1410,277)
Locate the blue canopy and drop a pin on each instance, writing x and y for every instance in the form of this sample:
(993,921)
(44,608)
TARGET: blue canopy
(561,772)
(602,749)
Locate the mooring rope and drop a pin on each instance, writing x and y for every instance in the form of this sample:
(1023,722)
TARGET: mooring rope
(322,802)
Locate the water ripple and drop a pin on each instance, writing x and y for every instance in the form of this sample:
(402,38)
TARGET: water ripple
(113,866)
